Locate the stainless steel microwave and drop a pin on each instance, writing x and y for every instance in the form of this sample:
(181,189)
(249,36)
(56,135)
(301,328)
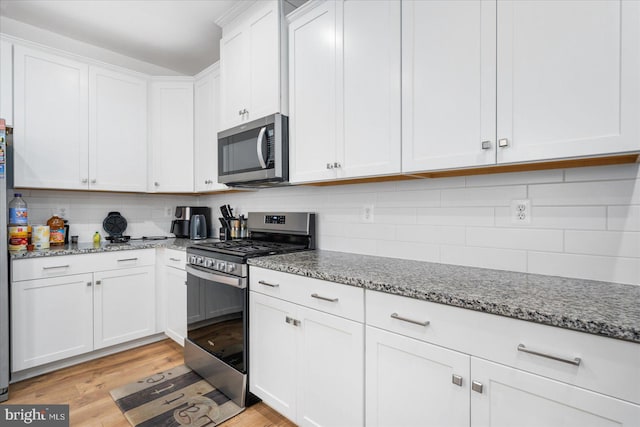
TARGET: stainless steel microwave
(255,154)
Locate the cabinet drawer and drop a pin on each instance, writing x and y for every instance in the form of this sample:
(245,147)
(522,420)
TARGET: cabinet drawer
(175,258)
(55,266)
(607,365)
(340,300)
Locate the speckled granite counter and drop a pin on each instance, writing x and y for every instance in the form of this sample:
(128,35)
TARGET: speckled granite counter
(601,308)
(86,248)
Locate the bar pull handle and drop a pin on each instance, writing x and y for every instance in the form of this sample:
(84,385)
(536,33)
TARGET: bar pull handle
(271,285)
(477,386)
(56,266)
(324,298)
(127,259)
(292,321)
(263,164)
(575,361)
(405,319)
(174,259)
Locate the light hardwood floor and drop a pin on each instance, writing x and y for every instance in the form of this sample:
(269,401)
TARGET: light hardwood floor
(85,388)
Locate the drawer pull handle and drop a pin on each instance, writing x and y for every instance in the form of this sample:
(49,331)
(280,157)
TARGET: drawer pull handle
(55,266)
(575,361)
(292,321)
(174,259)
(324,298)
(404,319)
(272,285)
(127,259)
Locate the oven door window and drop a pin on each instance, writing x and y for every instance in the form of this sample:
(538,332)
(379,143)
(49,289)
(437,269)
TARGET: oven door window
(240,153)
(216,318)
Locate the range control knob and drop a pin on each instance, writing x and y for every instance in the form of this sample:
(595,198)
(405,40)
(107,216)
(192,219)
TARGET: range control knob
(192,259)
(200,260)
(208,262)
(231,267)
(221,266)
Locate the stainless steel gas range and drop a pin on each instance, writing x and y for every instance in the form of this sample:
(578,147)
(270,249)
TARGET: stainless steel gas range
(217,343)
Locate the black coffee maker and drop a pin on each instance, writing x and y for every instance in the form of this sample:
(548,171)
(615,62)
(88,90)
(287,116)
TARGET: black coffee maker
(180,226)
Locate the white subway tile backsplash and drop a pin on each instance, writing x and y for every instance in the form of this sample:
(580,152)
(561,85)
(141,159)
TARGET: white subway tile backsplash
(609,243)
(603,173)
(475,216)
(406,215)
(586,193)
(348,244)
(483,196)
(431,234)
(558,217)
(499,259)
(417,251)
(416,198)
(513,178)
(623,218)
(613,269)
(516,238)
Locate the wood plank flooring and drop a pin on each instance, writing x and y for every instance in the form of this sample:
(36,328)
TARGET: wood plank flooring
(85,388)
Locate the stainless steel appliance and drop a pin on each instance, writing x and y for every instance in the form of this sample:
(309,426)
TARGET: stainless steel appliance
(255,154)
(216,346)
(5,182)
(198,227)
(181,225)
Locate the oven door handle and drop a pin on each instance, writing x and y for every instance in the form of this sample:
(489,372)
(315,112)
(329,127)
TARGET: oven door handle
(238,282)
(263,164)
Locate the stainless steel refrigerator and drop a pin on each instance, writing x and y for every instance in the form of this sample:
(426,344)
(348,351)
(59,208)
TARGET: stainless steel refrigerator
(5,182)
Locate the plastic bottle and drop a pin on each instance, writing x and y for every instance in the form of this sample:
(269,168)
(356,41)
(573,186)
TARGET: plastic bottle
(96,239)
(56,231)
(18,213)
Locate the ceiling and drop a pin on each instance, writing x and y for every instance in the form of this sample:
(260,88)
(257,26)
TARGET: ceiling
(180,35)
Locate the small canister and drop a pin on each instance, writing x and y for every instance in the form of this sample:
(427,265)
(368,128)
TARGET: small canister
(18,238)
(235,228)
(40,237)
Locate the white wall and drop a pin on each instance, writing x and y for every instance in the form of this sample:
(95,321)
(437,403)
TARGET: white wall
(585,221)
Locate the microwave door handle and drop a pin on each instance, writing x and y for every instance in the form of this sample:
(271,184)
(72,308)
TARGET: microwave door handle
(259,147)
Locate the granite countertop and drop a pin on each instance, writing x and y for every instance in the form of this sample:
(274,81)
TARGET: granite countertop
(87,247)
(601,308)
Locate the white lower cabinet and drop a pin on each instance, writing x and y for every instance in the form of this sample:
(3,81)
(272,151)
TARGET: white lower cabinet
(306,363)
(411,383)
(176,290)
(56,315)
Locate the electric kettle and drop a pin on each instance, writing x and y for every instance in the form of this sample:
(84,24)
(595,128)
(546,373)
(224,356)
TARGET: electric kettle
(198,227)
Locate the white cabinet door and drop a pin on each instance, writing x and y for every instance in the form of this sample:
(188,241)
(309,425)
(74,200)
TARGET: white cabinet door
(410,383)
(234,70)
(370,58)
(568,78)
(6,82)
(50,117)
(176,308)
(272,359)
(206,122)
(51,319)
(117,131)
(330,370)
(448,84)
(313,86)
(124,305)
(511,397)
(171,136)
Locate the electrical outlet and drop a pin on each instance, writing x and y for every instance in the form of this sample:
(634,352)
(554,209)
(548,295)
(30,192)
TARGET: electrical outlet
(367,213)
(168,211)
(521,211)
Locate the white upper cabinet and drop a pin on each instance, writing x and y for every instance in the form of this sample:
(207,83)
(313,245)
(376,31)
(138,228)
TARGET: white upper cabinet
(568,78)
(206,92)
(6,82)
(171,135)
(448,84)
(117,131)
(344,70)
(50,117)
(251,65)
(488,82)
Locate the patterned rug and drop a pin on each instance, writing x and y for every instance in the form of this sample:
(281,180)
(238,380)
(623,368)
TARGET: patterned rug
(177,397)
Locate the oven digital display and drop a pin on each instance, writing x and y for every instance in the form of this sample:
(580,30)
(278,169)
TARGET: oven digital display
(274,219)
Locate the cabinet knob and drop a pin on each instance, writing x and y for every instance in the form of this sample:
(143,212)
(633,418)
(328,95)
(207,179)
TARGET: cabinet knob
(486,145)
(504,142)
(157,184)
(88,283)
(98,282)
(292,321)
(84,180)
(476,386)
(337,165)
(457,380)
(239,112)
(93,181)
(329,166)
